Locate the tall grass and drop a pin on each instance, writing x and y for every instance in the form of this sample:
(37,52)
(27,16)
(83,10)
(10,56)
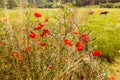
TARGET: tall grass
(58,49)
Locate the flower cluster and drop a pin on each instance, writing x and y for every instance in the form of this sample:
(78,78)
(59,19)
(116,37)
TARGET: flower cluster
(29,48)
(18,56)
(68,42)
(39,26)
(80,45)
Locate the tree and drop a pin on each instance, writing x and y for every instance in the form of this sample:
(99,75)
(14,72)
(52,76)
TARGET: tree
(11,4)
(81,2)
(39,3)
(1,3)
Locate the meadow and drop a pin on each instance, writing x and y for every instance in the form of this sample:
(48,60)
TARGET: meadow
(55,60)
(107,30)
(104,27)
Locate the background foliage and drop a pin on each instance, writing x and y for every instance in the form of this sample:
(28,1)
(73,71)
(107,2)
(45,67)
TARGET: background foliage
(50,3)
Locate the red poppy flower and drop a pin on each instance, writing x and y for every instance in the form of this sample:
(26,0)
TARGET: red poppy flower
(85,38)
(75,32)
(46,31)
(79,46)
(46,20)
(20,58)
(112,78)
(40,26)
(50,67)
(43,44)
(2,43)
(81,77)
(68,42)
(97,53)
(32,34)
(1,56)
(42,35)
(26,51)
(15,54)
(29,47)
(38,15)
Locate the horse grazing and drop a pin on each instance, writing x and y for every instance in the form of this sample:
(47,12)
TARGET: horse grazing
(104,13)
(91,13)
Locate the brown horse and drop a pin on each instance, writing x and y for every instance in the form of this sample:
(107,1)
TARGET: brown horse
(104,13)
(91,13)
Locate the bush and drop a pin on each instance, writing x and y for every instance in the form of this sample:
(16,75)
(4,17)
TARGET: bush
(48,5)
(116,5)
(107,5)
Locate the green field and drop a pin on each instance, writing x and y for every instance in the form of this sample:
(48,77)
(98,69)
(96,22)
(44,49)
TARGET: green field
(107,31)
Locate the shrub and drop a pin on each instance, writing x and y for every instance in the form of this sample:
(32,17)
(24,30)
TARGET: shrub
(107,5)
(49,5)
(116,5)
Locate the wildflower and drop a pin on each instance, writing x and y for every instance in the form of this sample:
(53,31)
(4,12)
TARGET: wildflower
(5,19)
(15,54)
(46,31)
(40,26)
(2,43)
(68,42)
(75,32)
(85,38)
(37,35)
(46,20)
(20,58)
(26,51)
(112,78)
(50,67)
(42,35)
(38,15)
(79,46)
(0,56)
(32,34)
(43,44)
(81,77)
(97,53)
(29,47)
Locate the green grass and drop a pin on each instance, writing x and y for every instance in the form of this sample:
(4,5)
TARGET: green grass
(107,31)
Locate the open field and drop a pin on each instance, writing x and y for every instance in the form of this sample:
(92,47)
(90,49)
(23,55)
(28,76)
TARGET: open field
(107,30)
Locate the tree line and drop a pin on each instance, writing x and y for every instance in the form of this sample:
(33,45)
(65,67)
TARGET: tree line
(49,3)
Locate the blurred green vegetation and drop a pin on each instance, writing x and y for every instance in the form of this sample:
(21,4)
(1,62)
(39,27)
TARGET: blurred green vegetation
(55,3)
